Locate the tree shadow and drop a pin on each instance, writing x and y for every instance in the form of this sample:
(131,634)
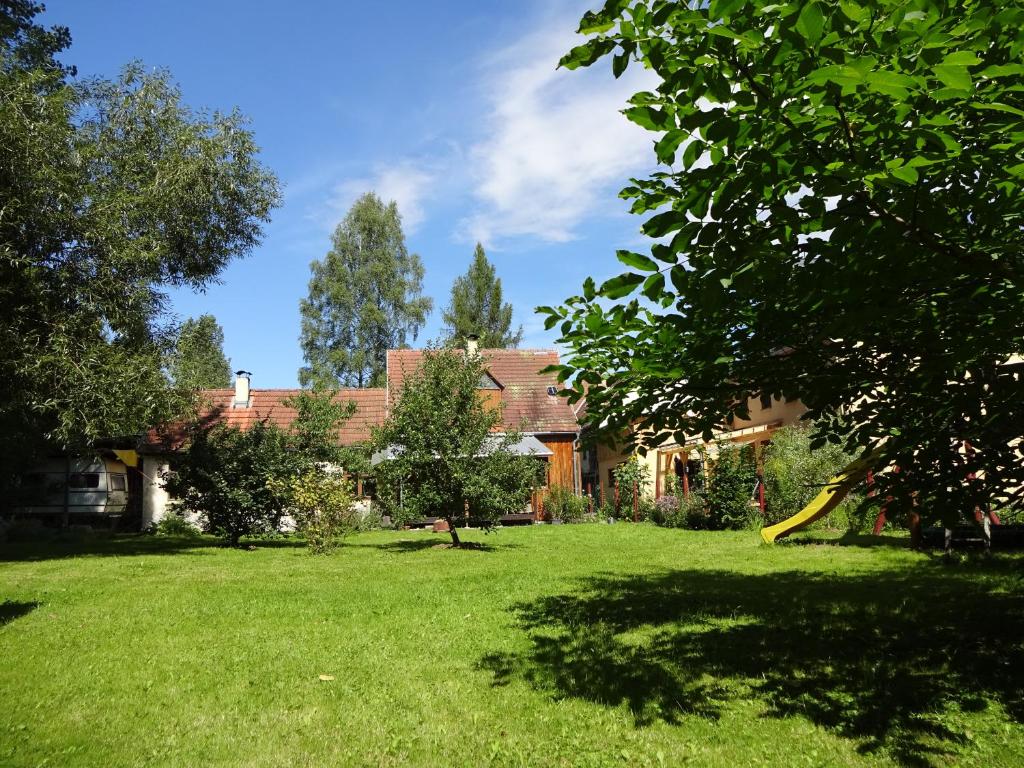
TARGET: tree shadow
(441,541)
(864,540)
(102,545)
(11,610)
(880,658)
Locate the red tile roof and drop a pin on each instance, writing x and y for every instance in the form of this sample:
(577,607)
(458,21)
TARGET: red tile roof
(524,389)
(269,404)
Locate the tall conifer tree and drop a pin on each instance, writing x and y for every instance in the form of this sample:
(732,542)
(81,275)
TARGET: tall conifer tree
(476,308)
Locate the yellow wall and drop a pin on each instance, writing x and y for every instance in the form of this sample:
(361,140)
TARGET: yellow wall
(781,412)
(761,424)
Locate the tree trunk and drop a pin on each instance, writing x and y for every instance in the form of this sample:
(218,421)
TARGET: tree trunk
(453,532)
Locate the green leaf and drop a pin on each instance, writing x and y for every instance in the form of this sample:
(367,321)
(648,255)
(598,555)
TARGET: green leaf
(996,106)
(619,64)
(692,153)
(623,285)
(679,278)
(663,223)
(650,118)
(890,83)
(810,22)
(961,59)
(665,148)
(594,23)
(954,76)
(654,287)
(586,54)
(836,73)
(589,289)
(637,261)
(905,173)
(724,8)
(1002,70)
(853,11)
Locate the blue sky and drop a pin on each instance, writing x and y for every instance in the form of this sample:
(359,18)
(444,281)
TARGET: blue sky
(453,109)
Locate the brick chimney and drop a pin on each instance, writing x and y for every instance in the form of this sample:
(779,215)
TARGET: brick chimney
(472,345)
(241,389)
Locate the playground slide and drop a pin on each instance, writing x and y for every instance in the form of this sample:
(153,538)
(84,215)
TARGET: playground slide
(833,493)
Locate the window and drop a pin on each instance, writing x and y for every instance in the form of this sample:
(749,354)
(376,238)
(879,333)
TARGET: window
(117,482)
(84,480)
(486,382)
(766,401)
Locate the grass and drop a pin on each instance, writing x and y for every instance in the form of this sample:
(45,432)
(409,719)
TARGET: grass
(556,645)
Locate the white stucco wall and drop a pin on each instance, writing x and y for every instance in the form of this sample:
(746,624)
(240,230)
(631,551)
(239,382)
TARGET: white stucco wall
(154,497)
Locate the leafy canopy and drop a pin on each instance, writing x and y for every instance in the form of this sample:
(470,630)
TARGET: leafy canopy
(198,360)
(450,455)
(838,219)
(364,299)
(111,192)
(477,308)
(242,482)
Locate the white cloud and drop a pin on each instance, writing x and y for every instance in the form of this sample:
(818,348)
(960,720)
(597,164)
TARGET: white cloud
(406,183)
(557,148)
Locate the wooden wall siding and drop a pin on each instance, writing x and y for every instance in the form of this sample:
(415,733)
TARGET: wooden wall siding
(491,398)
(560,465)
(560,469)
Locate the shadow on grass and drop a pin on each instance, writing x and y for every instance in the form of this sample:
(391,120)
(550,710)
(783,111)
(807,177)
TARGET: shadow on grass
(100,545)
(10,610)
(884,659)
(865,540)
(406,546)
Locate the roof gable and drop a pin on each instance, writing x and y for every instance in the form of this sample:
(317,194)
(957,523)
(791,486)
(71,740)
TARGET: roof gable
(524,389)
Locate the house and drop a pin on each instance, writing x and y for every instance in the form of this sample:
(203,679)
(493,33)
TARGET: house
(684,461)
(529,401)
(242,407)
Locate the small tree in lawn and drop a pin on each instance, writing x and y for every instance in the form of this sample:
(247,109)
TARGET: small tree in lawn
(321,503)
(447,455)
(223,479)
(242,482)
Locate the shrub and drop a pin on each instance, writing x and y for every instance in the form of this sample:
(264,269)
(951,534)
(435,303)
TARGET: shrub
(665,508)
(223,479)
(607,510)
(794,474)
(322,504)
(647,510)
(562,504)
(175,524)
(629,473)
(679,512)
(731,487)
(369,518)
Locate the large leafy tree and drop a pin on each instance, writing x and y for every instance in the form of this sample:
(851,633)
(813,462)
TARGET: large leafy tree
(364,299)
(839,220)
(446,453)
(477,308)
(111,192)
(198,360)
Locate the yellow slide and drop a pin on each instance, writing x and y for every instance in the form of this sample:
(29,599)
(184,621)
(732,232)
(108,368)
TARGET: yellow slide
(833,493)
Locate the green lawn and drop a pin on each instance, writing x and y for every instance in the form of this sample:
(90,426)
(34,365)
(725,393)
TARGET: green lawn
(555,645)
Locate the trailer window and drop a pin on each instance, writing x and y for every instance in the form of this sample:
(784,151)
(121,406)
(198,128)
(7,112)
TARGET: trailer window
(84,480)
(117,482)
